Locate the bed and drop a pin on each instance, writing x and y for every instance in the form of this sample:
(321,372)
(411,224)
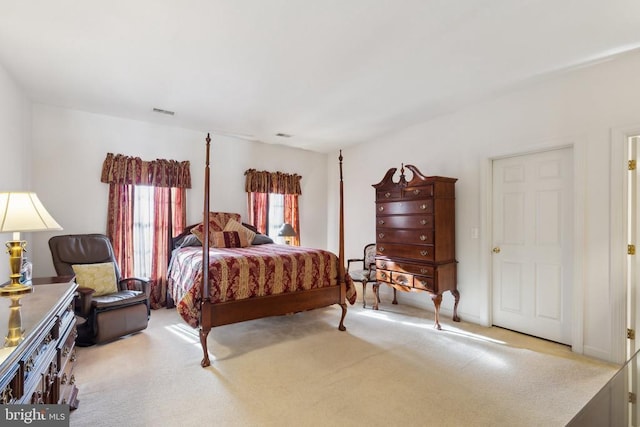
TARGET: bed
(255,281)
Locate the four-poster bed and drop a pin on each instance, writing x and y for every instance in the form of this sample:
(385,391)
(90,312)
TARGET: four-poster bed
(246,283)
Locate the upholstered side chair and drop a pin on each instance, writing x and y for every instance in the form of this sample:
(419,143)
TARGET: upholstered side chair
(111,306)
(365,271)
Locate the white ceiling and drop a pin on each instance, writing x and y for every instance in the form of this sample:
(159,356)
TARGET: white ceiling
(329,72)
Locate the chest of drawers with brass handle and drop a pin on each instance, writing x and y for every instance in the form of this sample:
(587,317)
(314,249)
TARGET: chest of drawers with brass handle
(415,234)
(39,369)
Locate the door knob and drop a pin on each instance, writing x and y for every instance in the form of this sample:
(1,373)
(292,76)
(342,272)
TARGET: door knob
(496,250)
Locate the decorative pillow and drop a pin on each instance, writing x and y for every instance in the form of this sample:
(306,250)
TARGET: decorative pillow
(179,239)
(228,239)
(251,227)
(221,239)
(217,220)
(261,239)
(233,225)
(190,240)
(101,277)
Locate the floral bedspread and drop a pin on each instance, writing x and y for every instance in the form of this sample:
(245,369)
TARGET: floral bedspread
(259,270)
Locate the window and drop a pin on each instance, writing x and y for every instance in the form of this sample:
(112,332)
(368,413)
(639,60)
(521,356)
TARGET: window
(142,230)
(273,201)
(275,218)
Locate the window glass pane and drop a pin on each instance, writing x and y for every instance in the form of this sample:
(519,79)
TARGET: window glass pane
(142,230)
(276,214)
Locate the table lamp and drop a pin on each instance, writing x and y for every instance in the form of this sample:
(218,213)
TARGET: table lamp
(287,232)
(21,212)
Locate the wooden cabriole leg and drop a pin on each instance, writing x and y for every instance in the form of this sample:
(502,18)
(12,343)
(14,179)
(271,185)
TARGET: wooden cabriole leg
(456,296)
(204,332)
(437,300)
(344,313)
(376,295)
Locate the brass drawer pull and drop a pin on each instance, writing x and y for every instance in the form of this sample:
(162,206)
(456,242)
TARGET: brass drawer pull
(416,192)
(387,195)
(423,237)
(381,235)
(423,221)
(383,275)
(73,379)
(383,265)
(381,249)
(381,221)
(424,253)
(401,280)
(64,379)
(424,271)
(381,208)
(65,351)
(423,206)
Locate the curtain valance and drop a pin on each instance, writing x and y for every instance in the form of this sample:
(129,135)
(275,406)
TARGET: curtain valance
(272,182)
(119,169)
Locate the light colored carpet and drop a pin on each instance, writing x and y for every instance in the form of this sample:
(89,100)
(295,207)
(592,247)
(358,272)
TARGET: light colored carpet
(390,368)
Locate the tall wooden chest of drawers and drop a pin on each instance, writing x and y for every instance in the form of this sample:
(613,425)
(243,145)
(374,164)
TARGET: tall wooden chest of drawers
(415,235)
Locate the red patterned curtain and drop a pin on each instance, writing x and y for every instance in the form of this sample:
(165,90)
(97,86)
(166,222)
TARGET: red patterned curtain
(120,226)
(291,216)
(258,209)
(169,220)
(158,173)
(272,182)
(170,179)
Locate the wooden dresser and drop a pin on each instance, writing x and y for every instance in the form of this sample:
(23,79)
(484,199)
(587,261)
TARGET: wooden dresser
(39,368)
(415,235)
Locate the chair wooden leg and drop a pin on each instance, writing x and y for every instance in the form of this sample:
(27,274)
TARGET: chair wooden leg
(376,293)
(364,293)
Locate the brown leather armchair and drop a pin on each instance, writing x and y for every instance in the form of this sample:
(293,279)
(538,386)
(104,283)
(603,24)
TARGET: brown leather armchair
(109,316)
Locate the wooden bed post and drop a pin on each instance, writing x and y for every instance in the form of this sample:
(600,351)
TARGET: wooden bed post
(204,330)
(341,271)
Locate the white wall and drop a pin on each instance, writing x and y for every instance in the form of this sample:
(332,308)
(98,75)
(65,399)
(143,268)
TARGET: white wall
(69,147)
(15,143)
(579,108)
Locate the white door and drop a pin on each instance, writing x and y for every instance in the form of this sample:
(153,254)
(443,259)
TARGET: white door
(532,244)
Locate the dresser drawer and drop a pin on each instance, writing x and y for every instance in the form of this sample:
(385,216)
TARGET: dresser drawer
(402,279)
(405,221)
(11,386)
(425,284)
(405,207)
(388,194)
(416,252)
(418,192)
(407,267)
(66,346)
(412,237)
(383,275)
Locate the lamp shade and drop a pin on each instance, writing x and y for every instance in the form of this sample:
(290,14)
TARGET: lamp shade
(287,231)
(22,211)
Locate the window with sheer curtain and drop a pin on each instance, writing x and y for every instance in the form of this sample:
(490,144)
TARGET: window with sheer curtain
(273,201)
(146,208)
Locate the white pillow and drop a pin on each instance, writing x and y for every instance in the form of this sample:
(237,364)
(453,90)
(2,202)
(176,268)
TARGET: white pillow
(101,277)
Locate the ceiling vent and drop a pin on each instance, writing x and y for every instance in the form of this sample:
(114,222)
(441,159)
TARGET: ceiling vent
(161,111)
